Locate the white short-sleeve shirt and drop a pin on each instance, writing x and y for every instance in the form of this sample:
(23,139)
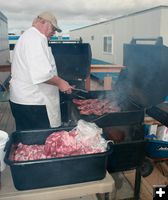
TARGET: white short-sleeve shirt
(32,65)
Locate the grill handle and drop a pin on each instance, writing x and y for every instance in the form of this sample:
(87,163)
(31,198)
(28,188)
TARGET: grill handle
(158,40)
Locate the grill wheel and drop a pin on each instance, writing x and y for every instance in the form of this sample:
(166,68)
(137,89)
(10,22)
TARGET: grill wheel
(146,168)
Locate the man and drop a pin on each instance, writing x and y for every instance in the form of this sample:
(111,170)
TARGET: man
(35,85)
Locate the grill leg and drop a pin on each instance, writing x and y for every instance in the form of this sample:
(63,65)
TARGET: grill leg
(137,183)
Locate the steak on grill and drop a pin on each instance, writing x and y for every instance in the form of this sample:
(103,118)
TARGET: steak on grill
(95,106)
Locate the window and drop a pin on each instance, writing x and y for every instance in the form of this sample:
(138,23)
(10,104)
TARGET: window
(107,46)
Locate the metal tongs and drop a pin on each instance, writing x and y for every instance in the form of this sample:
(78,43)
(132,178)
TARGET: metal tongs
(80,90)
(76,90)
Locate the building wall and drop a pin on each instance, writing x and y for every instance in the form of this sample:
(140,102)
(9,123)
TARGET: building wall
(164,25)
(144,24)
(4,46)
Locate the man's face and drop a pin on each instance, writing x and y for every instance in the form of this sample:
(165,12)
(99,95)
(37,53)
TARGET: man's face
(50,30)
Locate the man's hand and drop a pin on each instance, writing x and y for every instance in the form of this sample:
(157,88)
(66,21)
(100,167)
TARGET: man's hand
(65,87)
(61,84)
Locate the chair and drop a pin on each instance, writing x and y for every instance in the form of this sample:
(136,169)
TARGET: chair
(4,93)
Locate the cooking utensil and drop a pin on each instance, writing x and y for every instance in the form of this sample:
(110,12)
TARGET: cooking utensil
(75,92)
(80,90)
(75,95)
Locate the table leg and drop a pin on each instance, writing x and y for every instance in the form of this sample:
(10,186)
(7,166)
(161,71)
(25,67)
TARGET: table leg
(105,196)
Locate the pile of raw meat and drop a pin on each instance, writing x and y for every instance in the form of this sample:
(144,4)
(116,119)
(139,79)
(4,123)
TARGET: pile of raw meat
(84,139)
(95,106)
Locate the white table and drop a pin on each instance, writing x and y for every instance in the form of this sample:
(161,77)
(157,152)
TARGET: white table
(105,186)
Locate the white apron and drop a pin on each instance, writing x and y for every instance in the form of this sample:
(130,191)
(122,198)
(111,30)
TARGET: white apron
(52,102)
(52,99)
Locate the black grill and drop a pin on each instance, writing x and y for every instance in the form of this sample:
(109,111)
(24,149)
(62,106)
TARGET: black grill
(141,85)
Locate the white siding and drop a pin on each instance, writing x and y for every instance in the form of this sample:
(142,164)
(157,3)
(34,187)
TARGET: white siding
(4,46)
(146,24)
(164,25)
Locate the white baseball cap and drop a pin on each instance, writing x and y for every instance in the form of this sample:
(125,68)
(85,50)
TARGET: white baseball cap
(51,18)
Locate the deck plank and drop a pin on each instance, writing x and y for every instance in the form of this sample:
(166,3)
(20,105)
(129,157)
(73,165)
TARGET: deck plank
(147,183)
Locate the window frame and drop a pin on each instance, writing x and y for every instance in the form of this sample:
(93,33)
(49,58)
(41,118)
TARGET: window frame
(108,50)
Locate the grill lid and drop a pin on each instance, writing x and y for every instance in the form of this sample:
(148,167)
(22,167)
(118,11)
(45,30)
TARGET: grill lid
(144,79)
(72,59)
(159,112)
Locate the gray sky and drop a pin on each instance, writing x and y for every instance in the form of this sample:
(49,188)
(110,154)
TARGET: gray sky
(71,14)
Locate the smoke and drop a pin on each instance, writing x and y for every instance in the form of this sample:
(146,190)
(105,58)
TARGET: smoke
(144,80)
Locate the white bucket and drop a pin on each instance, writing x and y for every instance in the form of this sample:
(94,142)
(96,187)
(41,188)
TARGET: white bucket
(3,139)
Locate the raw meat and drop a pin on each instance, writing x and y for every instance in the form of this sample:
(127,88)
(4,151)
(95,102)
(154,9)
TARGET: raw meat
(25,152)
(58,144)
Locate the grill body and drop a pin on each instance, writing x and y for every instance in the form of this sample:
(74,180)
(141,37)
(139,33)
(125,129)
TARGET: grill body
(141,86)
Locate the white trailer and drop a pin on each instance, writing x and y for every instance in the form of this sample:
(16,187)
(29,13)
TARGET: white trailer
(107,38)
(4,47)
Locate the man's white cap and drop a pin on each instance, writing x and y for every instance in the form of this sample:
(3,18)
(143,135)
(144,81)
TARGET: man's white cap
(51,18)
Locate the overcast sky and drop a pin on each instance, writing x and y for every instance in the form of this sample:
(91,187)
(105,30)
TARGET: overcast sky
(71,14)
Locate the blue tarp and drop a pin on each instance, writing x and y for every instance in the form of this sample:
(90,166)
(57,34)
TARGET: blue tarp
(99,62)
(100,75)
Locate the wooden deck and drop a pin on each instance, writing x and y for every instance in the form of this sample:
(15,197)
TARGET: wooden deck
(159,176)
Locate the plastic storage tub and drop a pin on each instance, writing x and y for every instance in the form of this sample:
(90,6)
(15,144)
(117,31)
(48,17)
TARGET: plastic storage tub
(3,139)
(56,171)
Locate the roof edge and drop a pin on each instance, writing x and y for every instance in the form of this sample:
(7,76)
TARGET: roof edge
(122,16)
(3,17)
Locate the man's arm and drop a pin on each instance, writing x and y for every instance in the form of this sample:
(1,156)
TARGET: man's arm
(61,84)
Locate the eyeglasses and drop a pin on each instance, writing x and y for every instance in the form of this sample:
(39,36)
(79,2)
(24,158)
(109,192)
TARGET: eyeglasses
(52,27)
